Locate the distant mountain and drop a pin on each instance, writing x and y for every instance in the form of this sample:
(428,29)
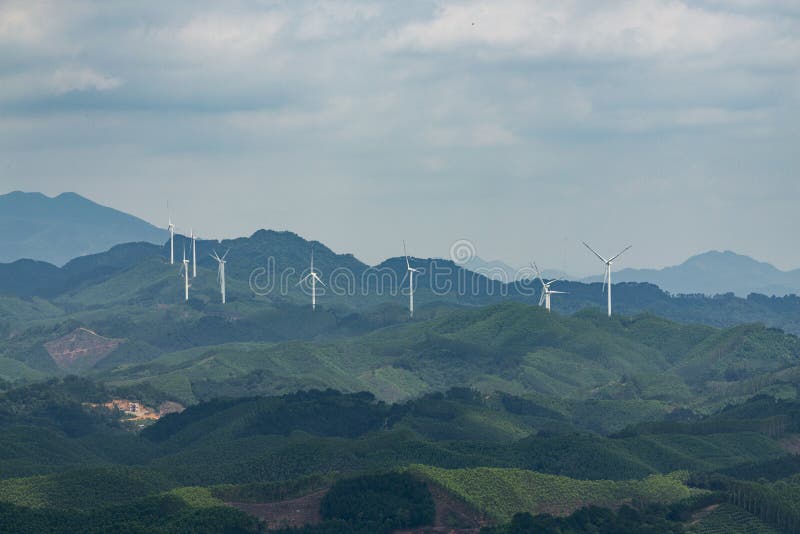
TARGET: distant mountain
(55,230)
(494,269)
(713,273)
(502,271)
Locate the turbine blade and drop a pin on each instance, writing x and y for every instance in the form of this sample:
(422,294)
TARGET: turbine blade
(538,272)
(226,253)
(605,279)
(541,298)
(595,253)
(620,254)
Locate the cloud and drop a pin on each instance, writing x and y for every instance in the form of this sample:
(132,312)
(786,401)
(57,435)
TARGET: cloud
(465,110)
(66,79)
(613,29)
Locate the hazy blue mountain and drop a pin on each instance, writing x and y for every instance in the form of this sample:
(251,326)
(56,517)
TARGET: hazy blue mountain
(58,229)
(714,273)
(494,269)
(502,271)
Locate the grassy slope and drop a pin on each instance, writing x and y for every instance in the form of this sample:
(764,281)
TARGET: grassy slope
(729,519)
(501,493)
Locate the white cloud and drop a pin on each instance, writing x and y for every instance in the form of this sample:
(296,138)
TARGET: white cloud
(66,79)
(22,23)
(474,136)
(594,30)
(222,34)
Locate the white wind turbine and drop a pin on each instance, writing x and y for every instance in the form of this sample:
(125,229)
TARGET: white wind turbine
(546,291)
(185,270)
(411,272)
(194,255)
(221,272)
(607,277)
(314,279)
(171,238)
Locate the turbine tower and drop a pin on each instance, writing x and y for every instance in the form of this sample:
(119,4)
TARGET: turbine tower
(314,279)
(194,255)
(185,270)
(607,277)
(411,272)
(221,272)
(171,238)
(546,291)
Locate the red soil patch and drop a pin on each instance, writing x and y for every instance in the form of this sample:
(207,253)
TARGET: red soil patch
(290,513)
(80,346)
(452,515)
(791,444)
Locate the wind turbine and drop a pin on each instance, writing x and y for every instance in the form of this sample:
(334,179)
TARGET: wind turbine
(194,255)
(185,270)
(171,238)
(546,291)
(411,272)
(221,272)
(607,277)
(314,279)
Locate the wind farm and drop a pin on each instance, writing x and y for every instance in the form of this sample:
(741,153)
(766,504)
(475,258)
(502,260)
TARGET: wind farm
(312,278)
(207,324)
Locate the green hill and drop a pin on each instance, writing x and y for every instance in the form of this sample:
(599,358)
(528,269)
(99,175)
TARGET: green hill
(501,493)
(514,348)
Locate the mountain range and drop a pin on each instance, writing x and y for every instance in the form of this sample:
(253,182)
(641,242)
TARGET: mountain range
(68,226)
(58,229)
(714,273)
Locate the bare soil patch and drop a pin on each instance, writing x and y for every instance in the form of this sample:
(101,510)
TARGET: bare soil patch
(452,515)
(700,514)
(290,513)
(136,411)
(80,347)
(791,444)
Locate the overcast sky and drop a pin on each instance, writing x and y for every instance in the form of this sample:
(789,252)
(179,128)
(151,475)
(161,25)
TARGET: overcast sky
(524,126)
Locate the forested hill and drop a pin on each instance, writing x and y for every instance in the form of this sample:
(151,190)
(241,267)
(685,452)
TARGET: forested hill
(266,267)
(354,464)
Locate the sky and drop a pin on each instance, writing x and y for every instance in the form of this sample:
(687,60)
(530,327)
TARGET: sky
(521,126)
